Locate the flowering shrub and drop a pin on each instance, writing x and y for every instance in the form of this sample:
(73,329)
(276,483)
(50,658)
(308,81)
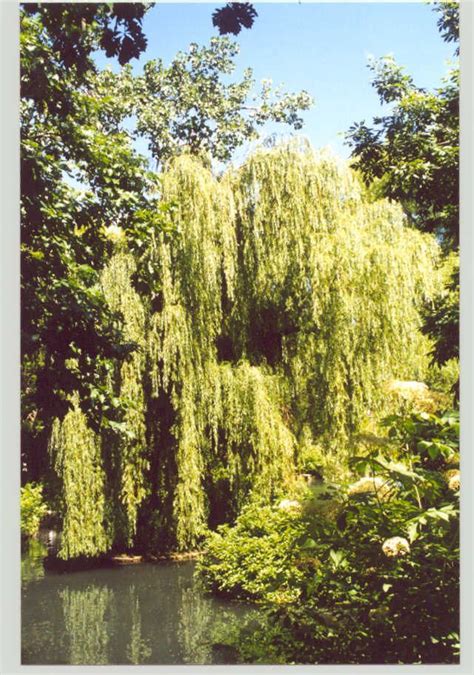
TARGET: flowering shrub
(377,584)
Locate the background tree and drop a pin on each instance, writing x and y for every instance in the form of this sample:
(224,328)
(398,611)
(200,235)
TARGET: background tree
(78,175)
(411,155)
(186,106)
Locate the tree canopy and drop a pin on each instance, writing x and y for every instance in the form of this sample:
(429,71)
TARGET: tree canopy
(188,105)
(411,155)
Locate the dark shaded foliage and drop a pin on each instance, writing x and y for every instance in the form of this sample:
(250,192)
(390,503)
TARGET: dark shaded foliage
(233,17)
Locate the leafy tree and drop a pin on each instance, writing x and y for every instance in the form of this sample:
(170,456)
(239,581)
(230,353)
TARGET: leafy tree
(285,298)
(411,153)
(64,140)
(187,105)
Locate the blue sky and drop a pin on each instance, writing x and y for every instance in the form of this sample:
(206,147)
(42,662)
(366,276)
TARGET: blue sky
(320,47)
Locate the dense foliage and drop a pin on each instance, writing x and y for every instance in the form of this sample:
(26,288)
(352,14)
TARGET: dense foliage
(82,177)
(77,174)
(411,154)
(32,508)
(364,573)
(233,359)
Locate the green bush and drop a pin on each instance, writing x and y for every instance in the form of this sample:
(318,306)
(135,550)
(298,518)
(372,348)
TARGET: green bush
(32,508)
(378,581)
(255,558)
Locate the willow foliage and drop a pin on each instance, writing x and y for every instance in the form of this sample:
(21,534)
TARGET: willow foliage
(132,449)
(285,299)
(75,449)
(341,279)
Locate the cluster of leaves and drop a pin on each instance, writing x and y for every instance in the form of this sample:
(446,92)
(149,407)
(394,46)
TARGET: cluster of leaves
(233,17)
(432,439)
(77,175)
(74,30)
(442,320)
(32,508)
(354,603)
(411,154)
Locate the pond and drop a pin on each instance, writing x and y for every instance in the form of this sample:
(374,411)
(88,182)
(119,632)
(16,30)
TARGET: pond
(146,613)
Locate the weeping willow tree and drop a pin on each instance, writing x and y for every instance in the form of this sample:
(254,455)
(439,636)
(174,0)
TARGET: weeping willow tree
(330,285)
(285,299)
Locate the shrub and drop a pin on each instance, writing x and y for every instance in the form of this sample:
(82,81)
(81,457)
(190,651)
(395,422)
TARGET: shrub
(32,508)
(255,558)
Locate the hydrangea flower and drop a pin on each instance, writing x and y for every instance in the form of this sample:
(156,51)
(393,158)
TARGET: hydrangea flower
(114,233)
(370,484)
(453,478)
(395,546)
(288,504)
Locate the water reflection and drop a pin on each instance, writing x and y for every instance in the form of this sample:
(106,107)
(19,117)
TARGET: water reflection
(33,552)
(195,617)
(137,614)
(138,649)
(84,622)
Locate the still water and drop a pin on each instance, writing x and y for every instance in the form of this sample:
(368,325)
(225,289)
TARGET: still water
(143,613)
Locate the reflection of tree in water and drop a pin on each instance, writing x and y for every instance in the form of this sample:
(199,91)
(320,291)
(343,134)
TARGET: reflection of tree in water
(194,619)
(154,614)
(84,620)
(32,561)
(138,649)
(207,634)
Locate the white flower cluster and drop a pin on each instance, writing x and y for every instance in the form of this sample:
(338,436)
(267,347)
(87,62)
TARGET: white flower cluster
(114,233)
(407,388)
(395,546)
(453,479)
(371,484)
(289,504)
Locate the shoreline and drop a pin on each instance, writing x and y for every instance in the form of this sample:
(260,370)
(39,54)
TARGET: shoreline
(54,563)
